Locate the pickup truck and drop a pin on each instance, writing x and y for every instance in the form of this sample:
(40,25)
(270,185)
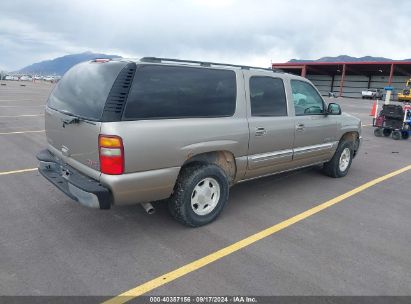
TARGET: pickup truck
(372,94)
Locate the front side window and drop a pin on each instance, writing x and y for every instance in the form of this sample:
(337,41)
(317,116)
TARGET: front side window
(306,99)
(267,96)
(180,92)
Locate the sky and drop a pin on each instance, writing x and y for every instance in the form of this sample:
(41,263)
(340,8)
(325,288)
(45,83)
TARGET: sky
(243,32)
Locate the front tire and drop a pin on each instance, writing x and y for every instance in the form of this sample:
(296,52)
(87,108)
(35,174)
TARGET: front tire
(339,165)
(200,195)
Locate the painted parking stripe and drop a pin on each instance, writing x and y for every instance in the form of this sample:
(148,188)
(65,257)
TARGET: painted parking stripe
(26,115)
(23,106)
(16,99)
(217,255)
(17,171)
(21,132)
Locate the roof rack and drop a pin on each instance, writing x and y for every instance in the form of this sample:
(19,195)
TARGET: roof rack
(206,64)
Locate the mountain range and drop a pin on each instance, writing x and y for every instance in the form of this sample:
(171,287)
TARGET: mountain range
(60,65)
(346,58)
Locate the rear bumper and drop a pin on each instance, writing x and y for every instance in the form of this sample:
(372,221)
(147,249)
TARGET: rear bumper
(86,191)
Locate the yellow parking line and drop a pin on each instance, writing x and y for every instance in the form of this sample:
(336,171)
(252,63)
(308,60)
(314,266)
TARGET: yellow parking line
(27,115)
(17,171)
(217,255)
(21,132)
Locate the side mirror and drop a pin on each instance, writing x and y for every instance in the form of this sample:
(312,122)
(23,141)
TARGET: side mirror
(334,109)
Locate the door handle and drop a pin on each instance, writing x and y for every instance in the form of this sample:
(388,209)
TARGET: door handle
(260,131)
(300,127)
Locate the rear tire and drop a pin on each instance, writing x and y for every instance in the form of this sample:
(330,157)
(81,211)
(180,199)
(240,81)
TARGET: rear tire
(200,195)
(378,132)
(405,134)
(396,135)
(339,165)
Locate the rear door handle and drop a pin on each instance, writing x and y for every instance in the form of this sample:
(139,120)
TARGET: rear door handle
(300,127)
(260,131)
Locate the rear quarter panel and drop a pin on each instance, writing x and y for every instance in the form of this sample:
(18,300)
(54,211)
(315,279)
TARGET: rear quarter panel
(165,143)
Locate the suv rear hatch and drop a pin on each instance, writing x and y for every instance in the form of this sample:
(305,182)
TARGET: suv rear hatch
(89,93)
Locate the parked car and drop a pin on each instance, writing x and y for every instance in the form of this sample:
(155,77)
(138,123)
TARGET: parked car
(26,78)
(48,78)
(372,94)
(11,77)
(122,132)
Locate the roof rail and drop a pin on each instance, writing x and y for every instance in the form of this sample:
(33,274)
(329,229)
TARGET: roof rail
(206,63)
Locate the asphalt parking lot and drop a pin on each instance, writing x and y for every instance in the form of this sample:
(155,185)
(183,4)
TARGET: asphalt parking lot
(51,246)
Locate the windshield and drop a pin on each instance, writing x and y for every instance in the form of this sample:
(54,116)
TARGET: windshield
(84,88)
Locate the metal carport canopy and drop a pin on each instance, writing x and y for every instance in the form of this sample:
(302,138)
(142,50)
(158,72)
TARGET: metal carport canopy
(366,68)
(335,68)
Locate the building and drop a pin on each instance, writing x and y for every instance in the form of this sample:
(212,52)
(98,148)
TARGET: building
(348,79)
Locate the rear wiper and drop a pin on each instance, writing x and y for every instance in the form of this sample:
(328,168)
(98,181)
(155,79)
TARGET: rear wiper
(72,119)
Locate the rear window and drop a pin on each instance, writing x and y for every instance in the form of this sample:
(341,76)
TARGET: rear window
(84,88)
(180,92)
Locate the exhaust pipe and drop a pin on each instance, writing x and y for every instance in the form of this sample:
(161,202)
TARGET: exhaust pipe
(148,208)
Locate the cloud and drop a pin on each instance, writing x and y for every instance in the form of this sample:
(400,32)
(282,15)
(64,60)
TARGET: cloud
(247,32)
(21,41)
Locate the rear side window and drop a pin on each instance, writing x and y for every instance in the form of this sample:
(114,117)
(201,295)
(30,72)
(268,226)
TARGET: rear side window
(267,96)
(84,88)
(179,92)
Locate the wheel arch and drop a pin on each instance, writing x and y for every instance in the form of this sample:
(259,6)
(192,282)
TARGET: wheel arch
(353,136)
(224,159)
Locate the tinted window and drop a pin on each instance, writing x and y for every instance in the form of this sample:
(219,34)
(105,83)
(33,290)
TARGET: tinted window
(84,88)
(176,92)
(306,99)
(267,96)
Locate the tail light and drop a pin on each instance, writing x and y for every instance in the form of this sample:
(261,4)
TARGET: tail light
(111,154)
